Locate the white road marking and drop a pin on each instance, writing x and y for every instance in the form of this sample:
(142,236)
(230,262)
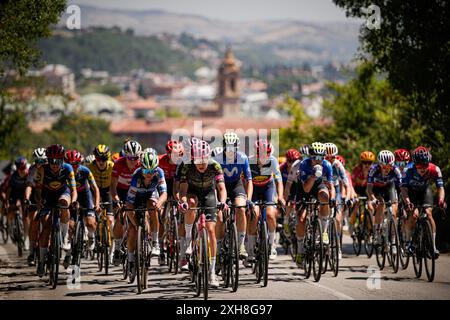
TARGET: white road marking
(338,294)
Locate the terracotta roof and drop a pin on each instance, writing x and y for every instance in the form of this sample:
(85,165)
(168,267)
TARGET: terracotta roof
(142,104)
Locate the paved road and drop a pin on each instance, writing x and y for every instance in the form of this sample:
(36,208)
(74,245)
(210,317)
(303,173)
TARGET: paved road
(286,281)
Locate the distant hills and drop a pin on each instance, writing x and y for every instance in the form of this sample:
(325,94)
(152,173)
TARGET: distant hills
(263,42)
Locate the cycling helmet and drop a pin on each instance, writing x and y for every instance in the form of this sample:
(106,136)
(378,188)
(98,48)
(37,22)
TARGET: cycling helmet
(20,163)
(55,151)
(72,156)
(264,146)
(331,149)
(317,149)
(341,159)
(132,148)
(149,159)
(231,138)
(292,155)
(421,155)
(115,156)
(402,155)
(305,150)
(216,151)
(39,154)
(89,159)
(102,151)
(174,146)
(201,150)
(386,157)
(367,156)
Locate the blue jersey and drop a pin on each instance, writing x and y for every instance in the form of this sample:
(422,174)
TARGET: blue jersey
(264,174)
(306,171)
(232,171)
(139,188)
(413,180)
(377,178)
(84,179)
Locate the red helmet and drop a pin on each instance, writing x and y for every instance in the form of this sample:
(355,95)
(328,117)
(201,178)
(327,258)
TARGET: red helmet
(262,145)
(72,156)
(292,155)
(402,155)
(55,151)
(174,146)
(341,159)
(421,155)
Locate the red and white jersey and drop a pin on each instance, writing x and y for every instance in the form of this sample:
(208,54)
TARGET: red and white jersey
(123,173)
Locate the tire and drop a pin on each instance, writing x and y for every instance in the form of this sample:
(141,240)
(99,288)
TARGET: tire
(4,228)
(293,248)
(380,253)
(106,246)
(404,257)
(234,265)
(428,249)
(318,249)
(99,247)
(226,256)
(265,255)
(125,266)
(308,249)
(55,257)
(205,264)
(19,234)
(334,250)
(394,250)
(196,272)
(368,233)
(139,259)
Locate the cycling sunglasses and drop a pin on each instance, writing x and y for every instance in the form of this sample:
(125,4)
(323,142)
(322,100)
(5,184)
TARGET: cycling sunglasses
(386,166)
(317,158)
(367,163)
(55,161)
(40,161)
(74,164)
(148,171)
(101,159)
(400,163)
(132,158)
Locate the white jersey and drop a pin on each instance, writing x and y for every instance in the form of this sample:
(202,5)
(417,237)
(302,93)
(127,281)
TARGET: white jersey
(294,173)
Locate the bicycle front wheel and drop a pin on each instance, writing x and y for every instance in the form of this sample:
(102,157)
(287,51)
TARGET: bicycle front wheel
(403,255)
(19,234)
(55,257)
(428,249)
(106,246)
(317,249)
(368,233)
(334,249)
(393,242)
(308,261)
(139,259)
(205,263)
(234,265)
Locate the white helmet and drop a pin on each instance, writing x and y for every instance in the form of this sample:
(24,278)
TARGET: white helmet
(132,148)
(330,149)
(89,159)
(231,138)
(39,154)
(386,157)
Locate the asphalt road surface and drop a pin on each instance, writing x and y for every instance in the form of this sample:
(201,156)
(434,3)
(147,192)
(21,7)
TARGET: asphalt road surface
(354,281)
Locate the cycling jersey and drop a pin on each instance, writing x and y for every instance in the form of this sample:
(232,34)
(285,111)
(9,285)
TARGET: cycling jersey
(139,190)
(379,181)
(102,177)
(358,177)
(294,173)
(203,182)
(121,171)
(284,172)
(31,175)
(413,180)
(233,172)
(177,175)
(306,171)
(263,174)
(18,183)
(84,180)
(168,168)
(339,173)
(49,181)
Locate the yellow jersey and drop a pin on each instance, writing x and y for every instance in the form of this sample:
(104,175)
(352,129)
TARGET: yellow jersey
(102,177)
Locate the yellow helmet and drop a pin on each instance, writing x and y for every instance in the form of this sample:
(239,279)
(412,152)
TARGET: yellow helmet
(102,151)
(367,156)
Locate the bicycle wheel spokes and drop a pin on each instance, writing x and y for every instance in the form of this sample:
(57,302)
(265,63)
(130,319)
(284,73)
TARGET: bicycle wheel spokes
(318,249)
(334,250)
(368,233)
(205,264)
(403,255)
(393,242)
(428,248)
(234,265)
(308,261)
(139,259)
(55,257)
(265,255)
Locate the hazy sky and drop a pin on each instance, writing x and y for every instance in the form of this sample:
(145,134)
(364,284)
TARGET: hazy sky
(235,10)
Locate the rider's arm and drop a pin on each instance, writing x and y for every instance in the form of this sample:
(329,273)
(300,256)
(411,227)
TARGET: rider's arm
(287,190)
(113,188)
(248,179)
(441,194)
(222,192)
(71,183)
(162,189)
(278,178)
(183,191)
(96,190)
(369,191)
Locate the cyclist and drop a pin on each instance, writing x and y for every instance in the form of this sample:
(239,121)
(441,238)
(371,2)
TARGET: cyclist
(148,189)
(292,156)
(339,179)
(198,183)
(234,165)
(101,169)
(168,163)
(384,176)
(416,190)
(55,182)
(268,186)
(402,158)
(316,176)
(85,186)
(15,196)
(40,159)
(360,174)
(123,170)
